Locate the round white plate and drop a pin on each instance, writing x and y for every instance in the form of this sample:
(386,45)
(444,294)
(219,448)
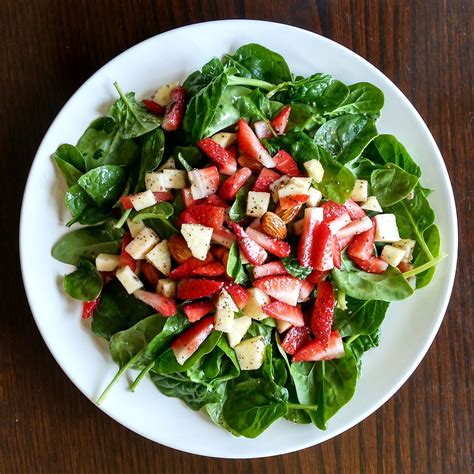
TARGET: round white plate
(407,331)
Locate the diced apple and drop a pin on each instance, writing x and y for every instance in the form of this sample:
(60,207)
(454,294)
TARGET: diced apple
(129,280)
(145,240)
(282,326)
(240,327)
(162,95)
(386,228)
(298,227)
(251,353)
(160,257)
(143,200)
(198,238)
(253,308)
(315,197)
(166,287)
(371,204)
(360,193)
(294,187)
(225,310)
(392,255)
(135,227)
(407,245)
(166,179)
(314,169)
(204,182)
(225,139)
(277,184)
(169,164)
(257,203)
(106,262)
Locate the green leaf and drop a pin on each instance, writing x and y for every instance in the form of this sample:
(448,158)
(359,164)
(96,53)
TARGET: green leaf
(151,155)
(363,98)
(190,157)
(238,210)
(70,162)
(83,208)
(200,79)
(304,117)
(85,283)
(293,267)
(235,268)
(158,218)
(432,240)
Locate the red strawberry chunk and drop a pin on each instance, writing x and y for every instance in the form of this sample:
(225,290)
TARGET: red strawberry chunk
(321,319)
(239,294)
(294,200)
(362,245)
(125,258)
(161,196)
(153,107)
(323,248)
(210,270)
(355,227)
(174,110)
(186,344)
(250,144)
(372,265)
(209,216)
(216,201)
(317,277)
(223,237)
(269,269)
(197,310)
(295,339)
(262,130)
(198,288)
(220,252)
(283,288)
(265,178)
(280,122)
(219,155)
(231,186)
(285,164)
(312,218)
(188,199)
(88,308)
(151,274)
(126,202)
(354,210)
(305,291)
(232,150)
(343,243)
(314,351)
(186,268)
(336,252)
(161,304)
(339,222)
(284,312)
(332,210)
(254,253)
(277,247)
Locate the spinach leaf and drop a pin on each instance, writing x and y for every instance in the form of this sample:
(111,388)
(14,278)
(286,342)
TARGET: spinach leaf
(200,79)
(254,105)
(259,329)
(235,268)
(433,242)
(391,184)
(306,384)
(83,209)
(253,405)
(104,184)
(363,98)
(157,217)
(85,283)
(70,162)
(293,267)
(361,344)
(304,117)
(151,155)
(345,137)
(133,117)
(88,242)
(190,157)
(238,210)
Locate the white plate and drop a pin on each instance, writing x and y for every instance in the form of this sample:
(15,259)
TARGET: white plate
(407,331)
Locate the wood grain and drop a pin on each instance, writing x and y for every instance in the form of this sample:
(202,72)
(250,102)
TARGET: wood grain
(48,48)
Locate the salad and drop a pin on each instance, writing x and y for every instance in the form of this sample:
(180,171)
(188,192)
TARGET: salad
(239,238)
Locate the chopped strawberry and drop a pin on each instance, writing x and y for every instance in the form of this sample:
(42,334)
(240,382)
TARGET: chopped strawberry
(339,222)
(355,227)
(88,308)
(150,273)
(125,258)
(317,277)
(362,245)
(405,266)
(161,304)
(277,247)
(223,237)
(246,161)
(239,294)
(188,199)
(219,155)
(219,252)
(323,248)
(187,343)
(197,310)
(285,164)
(198,288)
(231,186)
(186,269)
(354,210)
(210,270)
(305,247)
(314,351)
(332,210)
(204,182)
(153,107)
(215,200)
(209,216)
(126,202)
(372,265)
(174,110)
(305,291)
(293,201)
(269,269)
(343,243)
(336,252)
(283,288)
(295,339)
(280,122)
(161,196)
(254,253)
(232,150)
(250,144)
(323,312)
(265,178)
(284,312)
(262,130)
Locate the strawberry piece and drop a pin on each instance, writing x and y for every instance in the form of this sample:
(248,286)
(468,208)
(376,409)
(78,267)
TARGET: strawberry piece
(405,266)
(336,252)
(161,304)
(219,155)
(372,265)
(216,201)
(331,210)
(239,294)
(355,227)
(186,269)
(317,277)
(150,273)
(125,258)
(153,107)
(219,252)
(354,210)
(305,247)
(88,308)
(254,253)
(262,129)
(285,164)
(187,343)
(161,196)
(174,110)
(231,186)
(210,270)
(339,222)
(126,202)
(197,310)
(314,351)
(323,248)
(223,237)
(188,199)
(277,247)
(265,178)
(232,150)
(293,201)
(198,288)
(269,269)
(305,291)
(280,122)
(323,312)
(209,216)
(283,288)
(250,144)
(295,339)
(204,182)
(284,312)
(362,245)
(343,243)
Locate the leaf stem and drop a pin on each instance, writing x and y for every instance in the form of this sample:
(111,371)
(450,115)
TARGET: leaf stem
(141,375)
(122,219)
(352,339)
(425,266)
(248,81)
(298,406)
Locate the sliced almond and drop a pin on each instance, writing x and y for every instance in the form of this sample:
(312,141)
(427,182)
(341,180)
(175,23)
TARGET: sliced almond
(179,248)
(247,161)
(287,215)
(273,225)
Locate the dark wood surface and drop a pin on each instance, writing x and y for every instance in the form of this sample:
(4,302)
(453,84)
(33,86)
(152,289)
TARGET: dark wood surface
(48,48)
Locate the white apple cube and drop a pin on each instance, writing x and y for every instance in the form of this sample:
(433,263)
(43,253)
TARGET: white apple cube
(371,204)
(294,187)
(386,228)
(169,164)
(145,240)
(253,308)
(407,245)
(282,326)
(201,185)
(166,287)
(162,95)
(225,310)
(225,139)
(392,255)
(135,227)
(160,257)
(315,197)
(106,262)
(198,238)
(240,327)
(143,200)
(314,169)
(165,180)
(257,203)
(360,192)
(129,280)
(277,184)
(251,353)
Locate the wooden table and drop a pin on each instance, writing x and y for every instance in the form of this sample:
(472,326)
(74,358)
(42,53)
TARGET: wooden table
(48,48)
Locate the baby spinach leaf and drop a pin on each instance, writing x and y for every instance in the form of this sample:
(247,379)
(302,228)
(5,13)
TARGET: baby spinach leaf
(361,344)
(345,137)
(151,155)
(257,328)
(433,242)
(85,283)
(363,98)
(238,210)
(200,79)
(304,117)
(83,209)
(391,184)
(88,242)
(235,269)
(158,218)
(293,267)
(70,162)
(190,157)
(306,384)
